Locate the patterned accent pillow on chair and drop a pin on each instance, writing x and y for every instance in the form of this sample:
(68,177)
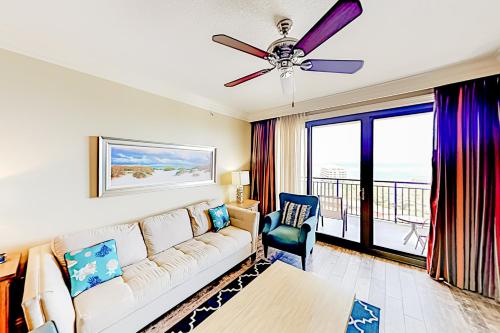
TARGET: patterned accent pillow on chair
(294,214)
(219,217)
(91,266)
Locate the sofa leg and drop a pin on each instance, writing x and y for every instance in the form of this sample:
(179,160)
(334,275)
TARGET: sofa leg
(304,262)
(253,256)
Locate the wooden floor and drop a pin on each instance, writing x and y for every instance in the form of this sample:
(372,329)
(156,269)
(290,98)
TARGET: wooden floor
(410,300)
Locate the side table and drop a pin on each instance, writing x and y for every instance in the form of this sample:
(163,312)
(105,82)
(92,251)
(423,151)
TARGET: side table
(249,204)
(8,273)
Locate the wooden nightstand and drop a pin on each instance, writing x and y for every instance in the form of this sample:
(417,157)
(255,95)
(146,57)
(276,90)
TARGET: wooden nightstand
(8,272)
(249,204)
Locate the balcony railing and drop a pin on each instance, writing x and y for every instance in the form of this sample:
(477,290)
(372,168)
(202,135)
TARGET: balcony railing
(390,198)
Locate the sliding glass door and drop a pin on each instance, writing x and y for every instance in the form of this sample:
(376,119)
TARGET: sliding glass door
(335,165)
(372,174)
(402,153)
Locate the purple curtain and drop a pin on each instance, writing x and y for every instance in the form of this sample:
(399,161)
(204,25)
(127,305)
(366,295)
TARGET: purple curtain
(464,240)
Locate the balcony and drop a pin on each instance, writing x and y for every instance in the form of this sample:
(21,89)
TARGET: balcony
(398,208)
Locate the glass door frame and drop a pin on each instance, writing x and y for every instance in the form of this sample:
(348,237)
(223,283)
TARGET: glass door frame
(366,244)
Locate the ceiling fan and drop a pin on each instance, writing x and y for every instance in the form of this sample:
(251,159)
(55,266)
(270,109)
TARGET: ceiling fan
(287,52)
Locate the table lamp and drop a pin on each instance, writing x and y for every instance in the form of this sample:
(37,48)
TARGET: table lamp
(240,178)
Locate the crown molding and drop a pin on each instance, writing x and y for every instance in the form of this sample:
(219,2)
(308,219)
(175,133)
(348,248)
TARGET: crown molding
(421,84)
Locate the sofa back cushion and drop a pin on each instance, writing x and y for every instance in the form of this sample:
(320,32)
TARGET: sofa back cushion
(200,218)
(163,231)
(129,243)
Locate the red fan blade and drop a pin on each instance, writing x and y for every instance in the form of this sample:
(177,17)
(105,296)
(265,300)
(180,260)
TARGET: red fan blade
(248,77)
(239,45)
(332,66)
(340,15)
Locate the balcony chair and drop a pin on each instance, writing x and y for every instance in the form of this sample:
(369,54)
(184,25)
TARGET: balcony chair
(423,235)
(299,241)
(333,207)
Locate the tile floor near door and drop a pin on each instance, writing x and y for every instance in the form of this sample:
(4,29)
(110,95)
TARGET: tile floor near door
(386,233)
(410,300)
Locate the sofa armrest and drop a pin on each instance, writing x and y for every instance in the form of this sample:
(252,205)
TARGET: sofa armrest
(247,220)
(46,296)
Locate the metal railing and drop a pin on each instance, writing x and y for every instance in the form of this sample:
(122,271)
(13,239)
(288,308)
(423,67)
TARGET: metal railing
(390,198)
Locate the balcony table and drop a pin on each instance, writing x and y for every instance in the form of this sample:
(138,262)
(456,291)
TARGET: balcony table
(414,221)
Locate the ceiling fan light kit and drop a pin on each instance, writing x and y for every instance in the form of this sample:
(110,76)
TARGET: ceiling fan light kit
(287,52)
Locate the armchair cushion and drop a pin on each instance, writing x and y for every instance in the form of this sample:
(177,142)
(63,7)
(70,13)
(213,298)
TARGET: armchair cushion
(285,238)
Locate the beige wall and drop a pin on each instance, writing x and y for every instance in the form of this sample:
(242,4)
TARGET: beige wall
(47,114)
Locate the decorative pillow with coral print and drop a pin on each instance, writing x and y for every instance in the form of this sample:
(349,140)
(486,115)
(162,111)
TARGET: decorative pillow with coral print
(92,265)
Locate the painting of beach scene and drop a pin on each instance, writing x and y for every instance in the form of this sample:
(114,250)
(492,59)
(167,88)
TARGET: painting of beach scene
(131,164)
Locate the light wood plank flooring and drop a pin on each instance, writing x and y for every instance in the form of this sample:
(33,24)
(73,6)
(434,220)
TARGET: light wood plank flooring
(410,300)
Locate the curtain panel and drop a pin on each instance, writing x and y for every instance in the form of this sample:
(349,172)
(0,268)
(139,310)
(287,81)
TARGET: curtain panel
(464,240)
(291,154)
(262,169)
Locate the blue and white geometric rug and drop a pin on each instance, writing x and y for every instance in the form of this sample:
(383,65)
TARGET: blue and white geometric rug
(364,317)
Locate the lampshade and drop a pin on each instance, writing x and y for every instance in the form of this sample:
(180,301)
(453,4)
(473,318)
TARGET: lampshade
(240,178)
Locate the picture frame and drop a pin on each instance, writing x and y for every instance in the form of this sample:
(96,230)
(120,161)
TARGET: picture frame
(126,165)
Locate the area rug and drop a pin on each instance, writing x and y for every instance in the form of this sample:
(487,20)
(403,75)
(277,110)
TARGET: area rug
(364,317)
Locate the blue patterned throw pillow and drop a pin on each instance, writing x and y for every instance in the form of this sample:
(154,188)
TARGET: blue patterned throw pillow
(294,214)
(219,217)
(92,265)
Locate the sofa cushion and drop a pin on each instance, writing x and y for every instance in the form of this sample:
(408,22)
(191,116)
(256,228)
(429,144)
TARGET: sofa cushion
(200,219)
(147,280)
(179,265)
(129,242)
(103,305)
(227,240)
(166,230)
(204,254)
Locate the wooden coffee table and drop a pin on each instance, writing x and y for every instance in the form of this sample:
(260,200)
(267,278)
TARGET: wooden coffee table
(283,299)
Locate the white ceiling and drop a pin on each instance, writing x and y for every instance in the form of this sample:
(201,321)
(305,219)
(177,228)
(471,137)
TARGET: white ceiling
(165,47)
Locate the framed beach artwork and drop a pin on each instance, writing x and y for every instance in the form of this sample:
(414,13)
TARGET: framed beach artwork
(128,165)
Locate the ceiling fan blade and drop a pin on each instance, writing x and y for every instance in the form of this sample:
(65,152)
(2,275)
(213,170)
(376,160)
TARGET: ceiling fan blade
(340,15)
(248,77)
(332,66)
(239,45)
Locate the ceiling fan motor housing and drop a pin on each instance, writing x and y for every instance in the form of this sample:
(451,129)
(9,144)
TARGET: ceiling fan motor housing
(283,56)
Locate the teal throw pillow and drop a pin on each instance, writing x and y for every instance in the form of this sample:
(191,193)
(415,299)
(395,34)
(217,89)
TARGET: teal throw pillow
(219,217)
(91,266)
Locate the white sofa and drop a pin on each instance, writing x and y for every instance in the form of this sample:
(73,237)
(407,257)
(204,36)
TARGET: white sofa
(165,259)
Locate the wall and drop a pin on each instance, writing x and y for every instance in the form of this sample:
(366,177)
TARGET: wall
(47,114)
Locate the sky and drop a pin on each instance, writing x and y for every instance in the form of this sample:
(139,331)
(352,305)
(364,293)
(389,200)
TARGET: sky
(402,147)
(157,157)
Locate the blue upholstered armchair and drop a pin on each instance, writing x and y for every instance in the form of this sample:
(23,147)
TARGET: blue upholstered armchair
(298,241)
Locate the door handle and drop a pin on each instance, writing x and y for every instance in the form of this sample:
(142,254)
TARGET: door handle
(362,193)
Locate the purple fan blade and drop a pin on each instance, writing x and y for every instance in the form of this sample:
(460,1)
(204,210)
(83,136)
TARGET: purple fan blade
(332,66)
(239,45)
(340,15)
(248,77)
